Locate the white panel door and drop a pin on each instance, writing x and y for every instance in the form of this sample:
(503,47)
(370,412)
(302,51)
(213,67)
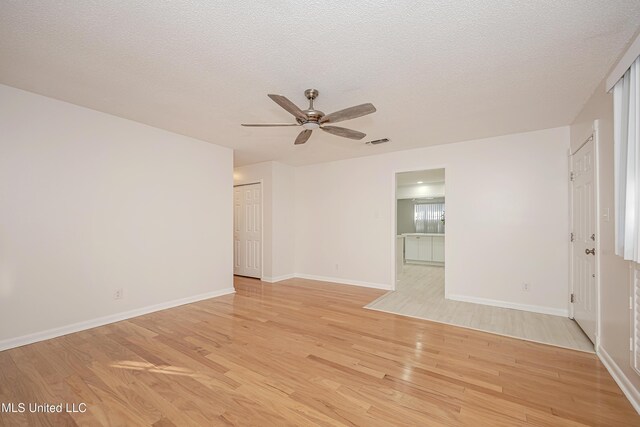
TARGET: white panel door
(247,230)
(438,249)
(584,239)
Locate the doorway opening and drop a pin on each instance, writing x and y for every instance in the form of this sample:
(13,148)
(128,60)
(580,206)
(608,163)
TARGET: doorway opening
(247,230)
(420,262)
(420,232)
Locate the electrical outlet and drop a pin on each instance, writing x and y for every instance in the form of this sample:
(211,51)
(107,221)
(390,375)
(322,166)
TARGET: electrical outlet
(525,287)
(337,267)
(118,293)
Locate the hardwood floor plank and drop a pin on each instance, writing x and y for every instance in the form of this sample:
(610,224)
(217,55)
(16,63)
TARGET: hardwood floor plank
(305,353)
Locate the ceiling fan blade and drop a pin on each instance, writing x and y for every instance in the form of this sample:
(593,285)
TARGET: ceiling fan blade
(269,124)
(288,105)
(349,113)
(344,132)
(303,137)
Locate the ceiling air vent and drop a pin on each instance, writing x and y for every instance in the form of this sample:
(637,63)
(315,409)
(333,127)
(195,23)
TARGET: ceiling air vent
(378,141)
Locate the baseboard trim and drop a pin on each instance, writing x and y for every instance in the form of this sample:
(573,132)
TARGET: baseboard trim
(512,305)
(343,281)
(105,320)
(276,279)
(632,394)
(463,298)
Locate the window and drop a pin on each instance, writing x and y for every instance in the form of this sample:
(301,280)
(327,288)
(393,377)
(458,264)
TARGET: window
(429,217)
(626,118)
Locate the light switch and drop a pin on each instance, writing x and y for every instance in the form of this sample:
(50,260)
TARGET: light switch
(605,214)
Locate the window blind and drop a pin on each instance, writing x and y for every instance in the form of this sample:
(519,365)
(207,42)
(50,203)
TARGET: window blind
(429,217)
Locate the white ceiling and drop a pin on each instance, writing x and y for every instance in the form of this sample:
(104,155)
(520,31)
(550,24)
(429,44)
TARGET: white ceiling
(436,71)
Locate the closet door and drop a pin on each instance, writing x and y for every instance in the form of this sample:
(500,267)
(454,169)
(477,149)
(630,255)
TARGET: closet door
(247,230)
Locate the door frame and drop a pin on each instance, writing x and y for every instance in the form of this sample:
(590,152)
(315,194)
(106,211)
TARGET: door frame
(244,184)
(593,134)
(394,222)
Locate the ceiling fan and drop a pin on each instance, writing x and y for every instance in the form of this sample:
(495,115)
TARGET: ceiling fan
(311,119)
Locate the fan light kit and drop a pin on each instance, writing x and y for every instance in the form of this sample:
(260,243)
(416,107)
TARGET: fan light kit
(311,119)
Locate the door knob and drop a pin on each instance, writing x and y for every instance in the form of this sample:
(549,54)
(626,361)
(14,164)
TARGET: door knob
(590,251)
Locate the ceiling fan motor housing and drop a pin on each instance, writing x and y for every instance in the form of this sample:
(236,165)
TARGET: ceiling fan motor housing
(313,116)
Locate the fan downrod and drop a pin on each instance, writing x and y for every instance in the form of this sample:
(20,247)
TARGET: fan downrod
(313,115)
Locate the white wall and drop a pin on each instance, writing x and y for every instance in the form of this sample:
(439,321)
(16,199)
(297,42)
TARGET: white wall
(277,195)
(506,218)
(405,220)
(283,221)
(90,202)
(614,271)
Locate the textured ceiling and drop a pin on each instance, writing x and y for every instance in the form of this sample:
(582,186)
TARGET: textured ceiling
(437,72)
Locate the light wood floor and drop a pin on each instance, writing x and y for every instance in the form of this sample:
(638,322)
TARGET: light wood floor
(305,353)
(420,293)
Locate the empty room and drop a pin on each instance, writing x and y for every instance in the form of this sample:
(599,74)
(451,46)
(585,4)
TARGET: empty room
(331,213)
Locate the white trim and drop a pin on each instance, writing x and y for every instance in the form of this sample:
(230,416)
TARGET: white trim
(570,307)
(464,298)
(394,231)
(632,394)
(598,254)
(394,220)
(344,281)
(278,278)
(105,320)
(623,65)
(513,305)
